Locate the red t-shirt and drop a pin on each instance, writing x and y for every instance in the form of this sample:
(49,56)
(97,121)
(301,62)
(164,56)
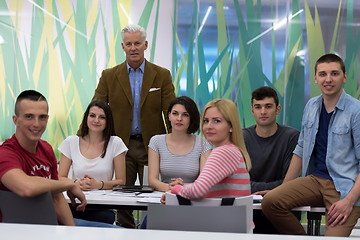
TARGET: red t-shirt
(42,163)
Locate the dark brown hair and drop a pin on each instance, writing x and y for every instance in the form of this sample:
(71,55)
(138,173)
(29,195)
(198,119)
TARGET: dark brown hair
(263,92)
(28,95)
(191,108)
(109,128)
(328,58)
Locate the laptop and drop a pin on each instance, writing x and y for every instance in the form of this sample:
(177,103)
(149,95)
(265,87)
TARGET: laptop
(133,188)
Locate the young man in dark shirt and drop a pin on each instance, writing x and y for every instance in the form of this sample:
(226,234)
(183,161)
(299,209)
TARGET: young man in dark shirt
(270,146)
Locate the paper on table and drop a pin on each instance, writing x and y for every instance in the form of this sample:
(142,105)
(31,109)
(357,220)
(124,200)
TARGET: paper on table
(95,192)
(123,194)
(150,195)
(149,200)
(257,198)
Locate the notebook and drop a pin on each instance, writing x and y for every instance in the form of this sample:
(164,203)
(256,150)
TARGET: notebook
(133,188)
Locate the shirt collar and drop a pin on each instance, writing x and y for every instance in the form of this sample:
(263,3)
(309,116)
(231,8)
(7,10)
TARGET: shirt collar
(340,103)
(142,66)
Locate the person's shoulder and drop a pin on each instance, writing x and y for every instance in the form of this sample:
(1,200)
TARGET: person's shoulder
(288,129)
(312,103)
(117,144)
(71,139)
(115,68)
(199,138)
(45,145)
(226,148)
(249,129)
(349,105)
(156,67)
(159,136)
(8,142)
(201,141)
(9,152)
(11,146)
(248,132)
(116,140)
(314,100)
(227,152)
(8,147)
(156,138)
(351,101)
(157,141)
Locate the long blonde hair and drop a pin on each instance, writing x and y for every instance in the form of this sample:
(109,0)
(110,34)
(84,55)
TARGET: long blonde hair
(230,113)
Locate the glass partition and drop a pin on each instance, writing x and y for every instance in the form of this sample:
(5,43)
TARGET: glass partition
(214,48)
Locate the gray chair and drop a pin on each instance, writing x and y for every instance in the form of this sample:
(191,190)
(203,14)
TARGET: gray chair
(206,215)
(31,210)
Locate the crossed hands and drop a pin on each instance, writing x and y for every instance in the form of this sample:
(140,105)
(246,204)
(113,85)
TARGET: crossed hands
(88,183)
(176,181)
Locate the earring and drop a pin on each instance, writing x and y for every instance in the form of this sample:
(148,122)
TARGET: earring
(230,130)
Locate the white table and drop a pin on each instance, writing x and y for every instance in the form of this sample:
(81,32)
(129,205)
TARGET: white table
(46,232)
(257,206)
(116,200)
(109,200)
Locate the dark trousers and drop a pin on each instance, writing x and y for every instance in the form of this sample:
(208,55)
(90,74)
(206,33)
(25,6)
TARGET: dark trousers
(96,215)
(136,159)
(264,226)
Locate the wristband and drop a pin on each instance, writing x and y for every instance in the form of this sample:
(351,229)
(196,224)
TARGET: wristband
(102,185)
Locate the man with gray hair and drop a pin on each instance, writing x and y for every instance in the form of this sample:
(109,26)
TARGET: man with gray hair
(139,93)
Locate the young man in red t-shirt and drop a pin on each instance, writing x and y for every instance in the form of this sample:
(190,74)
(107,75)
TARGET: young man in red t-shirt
(28,165)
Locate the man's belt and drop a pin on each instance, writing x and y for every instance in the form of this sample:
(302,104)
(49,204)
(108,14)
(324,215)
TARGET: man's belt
(137,137)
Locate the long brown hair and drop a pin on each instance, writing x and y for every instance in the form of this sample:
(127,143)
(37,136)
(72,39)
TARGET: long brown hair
(109,128)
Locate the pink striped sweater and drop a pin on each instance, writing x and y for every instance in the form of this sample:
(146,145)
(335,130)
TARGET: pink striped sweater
(224,175)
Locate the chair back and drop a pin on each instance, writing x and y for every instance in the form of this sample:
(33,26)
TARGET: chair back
(31,210)
(146,176)
(204,215)
(172,199)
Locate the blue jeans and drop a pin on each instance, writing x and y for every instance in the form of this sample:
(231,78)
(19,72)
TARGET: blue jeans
(85,223)
(143,225)
(94,214)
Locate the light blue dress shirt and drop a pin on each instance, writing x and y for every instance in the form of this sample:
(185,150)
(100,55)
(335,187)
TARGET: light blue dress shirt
(343,148)
(136,78)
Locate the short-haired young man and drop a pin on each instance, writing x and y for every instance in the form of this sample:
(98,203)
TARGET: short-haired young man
(28,166)
(327,156)
(270,146)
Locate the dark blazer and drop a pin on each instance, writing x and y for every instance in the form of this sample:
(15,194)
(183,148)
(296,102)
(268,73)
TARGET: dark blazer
(156,94)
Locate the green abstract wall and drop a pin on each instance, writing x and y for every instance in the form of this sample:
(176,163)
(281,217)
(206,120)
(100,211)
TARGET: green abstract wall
(218,48)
